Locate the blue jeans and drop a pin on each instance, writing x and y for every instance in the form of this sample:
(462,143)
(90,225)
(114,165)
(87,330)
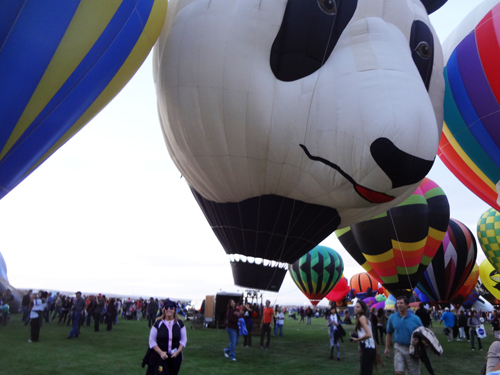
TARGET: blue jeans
(280,328)
(233,337)
(75,328)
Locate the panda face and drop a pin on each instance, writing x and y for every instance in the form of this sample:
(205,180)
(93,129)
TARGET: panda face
(336,103)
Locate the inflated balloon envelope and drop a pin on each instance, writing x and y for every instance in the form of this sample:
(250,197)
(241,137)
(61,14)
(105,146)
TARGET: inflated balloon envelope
(488,233)
(61,62)
(290,119)
(397,246)
(470,144)
(490,278)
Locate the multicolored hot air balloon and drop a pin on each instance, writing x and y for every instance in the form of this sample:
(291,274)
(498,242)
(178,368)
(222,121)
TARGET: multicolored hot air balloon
(488,233)
(317,272)
(470,144)
(452,264)
(490,278)
(61,62)
(397,246)
(283,127)
(463,295)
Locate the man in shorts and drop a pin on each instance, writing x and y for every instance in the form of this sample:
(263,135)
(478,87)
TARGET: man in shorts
(401,325)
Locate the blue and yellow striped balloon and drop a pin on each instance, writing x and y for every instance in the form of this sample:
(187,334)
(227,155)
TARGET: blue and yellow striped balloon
(61,62)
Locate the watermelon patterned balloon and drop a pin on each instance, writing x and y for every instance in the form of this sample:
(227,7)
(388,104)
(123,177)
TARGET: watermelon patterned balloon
(488,232)
(317,272)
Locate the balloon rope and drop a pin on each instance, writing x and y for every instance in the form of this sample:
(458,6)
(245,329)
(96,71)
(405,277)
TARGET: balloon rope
(401,250)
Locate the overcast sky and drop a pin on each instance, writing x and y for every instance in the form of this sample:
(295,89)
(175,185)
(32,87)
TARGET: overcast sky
(109,212)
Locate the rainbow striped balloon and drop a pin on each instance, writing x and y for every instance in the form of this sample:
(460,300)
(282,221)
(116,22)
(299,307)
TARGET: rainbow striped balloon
(61,62)
(397,246)
(470,143)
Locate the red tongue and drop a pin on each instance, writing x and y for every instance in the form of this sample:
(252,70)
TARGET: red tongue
(372,196)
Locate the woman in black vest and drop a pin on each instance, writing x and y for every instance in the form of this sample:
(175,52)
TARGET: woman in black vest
(167,338)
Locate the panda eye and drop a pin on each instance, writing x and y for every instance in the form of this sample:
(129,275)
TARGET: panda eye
(424,50)
(328,6)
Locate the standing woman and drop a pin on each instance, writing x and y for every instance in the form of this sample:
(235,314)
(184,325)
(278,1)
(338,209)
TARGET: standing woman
(381,323)
(232,316)
(110,314)
(472,323)
(38,306)
(280,320)
(365,339)
(167,338)
(333,323)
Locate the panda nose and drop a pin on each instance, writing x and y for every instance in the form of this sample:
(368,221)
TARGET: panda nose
(402,168)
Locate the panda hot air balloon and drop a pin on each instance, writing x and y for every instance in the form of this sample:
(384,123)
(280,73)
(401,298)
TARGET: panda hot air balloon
(317,272)
(287,128)
(470,144)
(452,264)
(396,247)
(61,62)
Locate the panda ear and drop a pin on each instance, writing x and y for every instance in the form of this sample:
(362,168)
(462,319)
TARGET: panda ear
(433,5)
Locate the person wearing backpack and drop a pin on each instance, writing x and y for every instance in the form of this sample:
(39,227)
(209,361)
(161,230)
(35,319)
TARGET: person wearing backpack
(167,339)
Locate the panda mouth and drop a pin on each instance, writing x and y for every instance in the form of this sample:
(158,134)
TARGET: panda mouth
(369,195)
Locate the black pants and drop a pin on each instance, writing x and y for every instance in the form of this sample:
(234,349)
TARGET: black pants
(247,340)
(367,357)
(266,327)
(35,328)
(169,366)
(97,319)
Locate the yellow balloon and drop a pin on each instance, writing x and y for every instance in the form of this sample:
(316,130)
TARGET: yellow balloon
(490,278)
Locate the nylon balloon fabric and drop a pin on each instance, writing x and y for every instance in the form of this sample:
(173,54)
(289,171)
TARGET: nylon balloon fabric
(397,246)
(488,233)
(452,264)
(470,143)
(287,128)
(317,272)
(61,62)
(361,282)
(490,279)
(465,295)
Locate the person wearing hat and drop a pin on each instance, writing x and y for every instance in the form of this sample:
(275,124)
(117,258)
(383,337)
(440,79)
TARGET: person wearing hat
(167,338)
(449,322)
(77,309)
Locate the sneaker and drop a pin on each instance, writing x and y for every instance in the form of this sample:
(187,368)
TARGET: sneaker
(481,349)
(261,347)
(468,340)
(30,341)
(226,354)
(233,359)
(472,348)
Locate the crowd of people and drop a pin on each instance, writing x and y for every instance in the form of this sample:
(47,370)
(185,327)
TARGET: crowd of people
(168,333)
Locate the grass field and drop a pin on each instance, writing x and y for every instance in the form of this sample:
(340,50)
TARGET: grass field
(302,350)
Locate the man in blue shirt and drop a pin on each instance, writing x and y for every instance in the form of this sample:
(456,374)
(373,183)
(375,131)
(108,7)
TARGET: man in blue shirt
(449,322)
(401,325)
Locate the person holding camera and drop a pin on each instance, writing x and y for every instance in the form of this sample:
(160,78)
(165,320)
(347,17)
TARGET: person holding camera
(364,338)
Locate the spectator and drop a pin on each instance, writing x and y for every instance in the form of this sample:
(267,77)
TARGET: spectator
(232,316)
(38,302)
(280,320)
(424,316)
(449,322)
(333,331)
(462,326)
(473,322)
(265,324)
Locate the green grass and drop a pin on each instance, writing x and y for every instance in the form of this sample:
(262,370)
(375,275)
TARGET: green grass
(302,350)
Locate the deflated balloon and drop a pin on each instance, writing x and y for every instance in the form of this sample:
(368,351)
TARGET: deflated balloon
(397,246)
(452,264)
(470,144)
(317,272)
(61,62)
(290,119)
